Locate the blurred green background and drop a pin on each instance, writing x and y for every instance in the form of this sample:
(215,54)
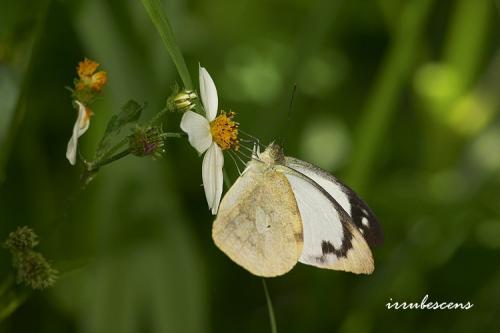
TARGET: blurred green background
(398,98)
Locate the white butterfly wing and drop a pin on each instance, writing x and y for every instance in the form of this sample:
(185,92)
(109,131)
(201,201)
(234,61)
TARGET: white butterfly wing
(361,215)
(330,239)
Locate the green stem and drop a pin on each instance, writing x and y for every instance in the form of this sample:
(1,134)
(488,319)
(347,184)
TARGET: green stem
(10,299)
(381,104)
(158,116)
(6,284)
(272,319)
(12,305)
(174,135)
(160,20)
(115,148)
(98,164)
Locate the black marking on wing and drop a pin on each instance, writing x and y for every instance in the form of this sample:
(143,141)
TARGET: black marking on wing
(372,232)
(327,248)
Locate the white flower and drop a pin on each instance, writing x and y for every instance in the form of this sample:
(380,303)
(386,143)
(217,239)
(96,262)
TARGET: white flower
(199,130)
(81,125)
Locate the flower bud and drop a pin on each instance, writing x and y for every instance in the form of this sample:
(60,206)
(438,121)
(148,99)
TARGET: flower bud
(147,141)
(182,101)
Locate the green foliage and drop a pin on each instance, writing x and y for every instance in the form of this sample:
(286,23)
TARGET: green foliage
(129,114)
(411,87)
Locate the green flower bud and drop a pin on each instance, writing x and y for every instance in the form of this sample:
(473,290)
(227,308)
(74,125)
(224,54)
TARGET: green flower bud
(182,101)
(147,141)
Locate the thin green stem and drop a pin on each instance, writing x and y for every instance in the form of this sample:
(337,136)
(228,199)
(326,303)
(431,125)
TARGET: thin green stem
(6,284)
(160,20)
(174,135)
(158,116)
(272,319)
(115,148)
(381,104)
(12,305)
(98,164)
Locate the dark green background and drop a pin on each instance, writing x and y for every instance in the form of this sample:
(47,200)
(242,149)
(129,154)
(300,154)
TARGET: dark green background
(398,98)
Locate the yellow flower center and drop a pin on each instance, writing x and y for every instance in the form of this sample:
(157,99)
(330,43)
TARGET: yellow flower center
(225,131)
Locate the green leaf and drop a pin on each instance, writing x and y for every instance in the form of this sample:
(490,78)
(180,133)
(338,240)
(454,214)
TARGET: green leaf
(160,20)
(129,113)
(17,60)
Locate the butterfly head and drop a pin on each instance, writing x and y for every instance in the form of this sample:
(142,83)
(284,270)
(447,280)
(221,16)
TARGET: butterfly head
(273,154)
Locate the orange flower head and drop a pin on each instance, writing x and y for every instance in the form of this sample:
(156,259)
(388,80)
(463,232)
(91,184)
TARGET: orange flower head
(88,78)
(86,68)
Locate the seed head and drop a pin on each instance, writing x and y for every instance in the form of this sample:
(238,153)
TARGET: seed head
(22,239)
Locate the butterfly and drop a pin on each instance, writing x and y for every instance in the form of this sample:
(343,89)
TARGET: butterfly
(282,210)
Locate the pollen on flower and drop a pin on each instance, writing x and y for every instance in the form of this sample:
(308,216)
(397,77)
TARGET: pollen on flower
(224,131)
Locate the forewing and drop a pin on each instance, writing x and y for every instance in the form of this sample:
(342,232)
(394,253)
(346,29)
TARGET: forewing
(361,215)
(330,239)
(258,225)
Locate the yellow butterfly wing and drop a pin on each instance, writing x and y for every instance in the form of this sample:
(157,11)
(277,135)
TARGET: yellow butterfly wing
(258,224)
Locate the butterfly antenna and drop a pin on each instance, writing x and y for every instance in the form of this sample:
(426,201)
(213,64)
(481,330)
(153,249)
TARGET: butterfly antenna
(288,116)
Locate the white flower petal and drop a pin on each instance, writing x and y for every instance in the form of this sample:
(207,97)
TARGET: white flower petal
(81,125)
(197,128)
(208,94)
(213,162)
